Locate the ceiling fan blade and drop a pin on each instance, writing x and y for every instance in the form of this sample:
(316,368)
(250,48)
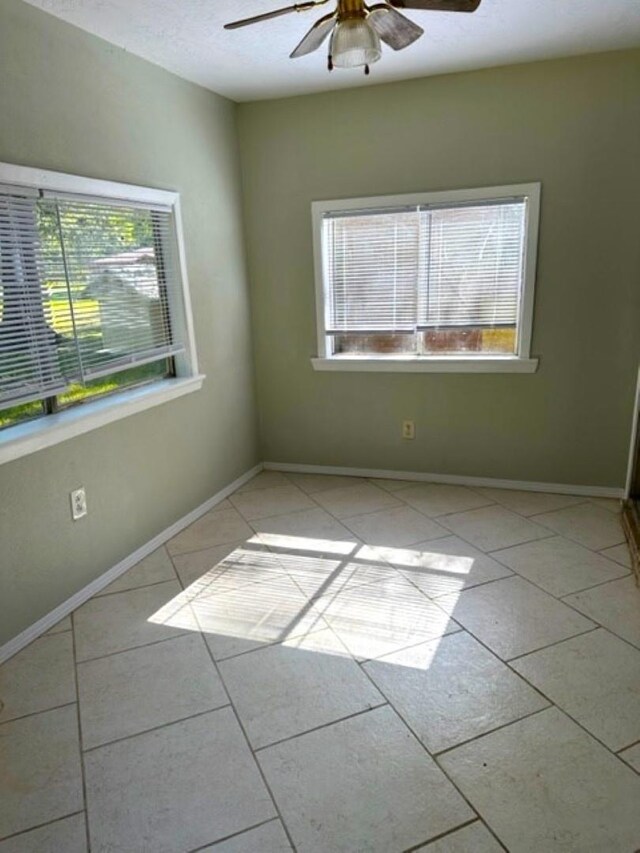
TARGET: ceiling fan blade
(392,27)
(297,7)
(316,35)
(438,5)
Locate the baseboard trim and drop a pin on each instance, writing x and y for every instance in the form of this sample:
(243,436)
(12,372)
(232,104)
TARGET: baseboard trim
(450,479)
(17,643)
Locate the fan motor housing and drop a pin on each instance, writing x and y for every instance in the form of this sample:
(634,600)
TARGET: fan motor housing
(351,9)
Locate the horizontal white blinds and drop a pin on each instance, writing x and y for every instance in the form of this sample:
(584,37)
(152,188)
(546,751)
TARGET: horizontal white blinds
(86,288)
(406,270)
(372,263)
(29,365)
(474,265)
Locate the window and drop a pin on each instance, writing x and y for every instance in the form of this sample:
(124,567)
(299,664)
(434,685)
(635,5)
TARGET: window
(441,281)
(93,299)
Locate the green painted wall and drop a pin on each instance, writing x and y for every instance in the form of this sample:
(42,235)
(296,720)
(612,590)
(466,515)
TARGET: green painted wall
(74,103)
(574,125)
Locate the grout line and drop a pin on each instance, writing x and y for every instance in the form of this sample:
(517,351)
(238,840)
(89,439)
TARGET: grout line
(550,645)
(155,728)
(628,746)
(268,645)
(593,585)
(247,741)
(491,731)
(458,629)
(601,624)
(434,598)
(182,633)
(585,500)
(40,825)
(208,845)
(36,713)
(236,542)
(83,770)
(104,594)
(327,725)
(422,845)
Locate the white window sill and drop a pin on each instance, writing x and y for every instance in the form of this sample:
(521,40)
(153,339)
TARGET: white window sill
(430,364)
(29,437)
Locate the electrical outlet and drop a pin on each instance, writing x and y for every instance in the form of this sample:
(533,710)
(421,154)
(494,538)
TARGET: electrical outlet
(78,503)
(408,429)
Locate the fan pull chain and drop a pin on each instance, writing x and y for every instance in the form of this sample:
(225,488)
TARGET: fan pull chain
(366,70)
(330,63)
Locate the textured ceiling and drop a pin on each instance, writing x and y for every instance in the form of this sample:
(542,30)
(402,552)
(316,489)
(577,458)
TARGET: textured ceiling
(186,37)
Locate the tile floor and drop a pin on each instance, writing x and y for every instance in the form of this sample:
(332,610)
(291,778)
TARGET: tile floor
(329,664)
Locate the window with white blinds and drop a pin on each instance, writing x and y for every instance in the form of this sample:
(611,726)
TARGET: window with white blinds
(427,275)
(91,297)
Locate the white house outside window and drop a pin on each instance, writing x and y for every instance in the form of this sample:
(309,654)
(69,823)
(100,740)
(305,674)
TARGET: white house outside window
(439,281)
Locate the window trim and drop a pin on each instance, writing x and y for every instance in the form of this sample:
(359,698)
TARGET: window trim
(521,362)
(33,435)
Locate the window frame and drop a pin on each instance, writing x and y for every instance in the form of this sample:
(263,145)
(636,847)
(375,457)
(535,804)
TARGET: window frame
(49,429)
(520,362)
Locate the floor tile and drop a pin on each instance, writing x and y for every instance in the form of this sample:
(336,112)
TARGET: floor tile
(544,784)
(632,757)
(263,503)
(363,783)
(214,528)
(615,605)
(155,568)
(452,689)
(493,527)
(314,483)
(62,625)
(595,678)
(513,617)
(529,503)
(39,677)
(444,565)
(41,778)
(113,623)
(134,691)
(192,566)
(237,621)
(439,499)
(390,485)
(176,788)
(559,565)
(68,835)
(395,527)
(586,524)
(613,505)
(284,690)
(383,617)
(268,838)
(242,566)
(309,530)
(355,500)
(474,838)
(318,576)
(619,553)
(264,480)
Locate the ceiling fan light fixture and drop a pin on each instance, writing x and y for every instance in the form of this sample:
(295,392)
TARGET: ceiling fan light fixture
(354,43)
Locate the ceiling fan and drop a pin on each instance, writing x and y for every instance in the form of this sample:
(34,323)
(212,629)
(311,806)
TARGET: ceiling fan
(356,29)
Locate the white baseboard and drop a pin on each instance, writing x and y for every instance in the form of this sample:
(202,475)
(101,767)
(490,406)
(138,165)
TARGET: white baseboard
(450,479)
(52,618)
(31,633)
